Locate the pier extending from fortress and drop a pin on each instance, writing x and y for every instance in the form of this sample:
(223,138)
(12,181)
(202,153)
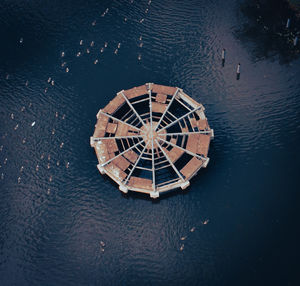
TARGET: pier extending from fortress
(152,139)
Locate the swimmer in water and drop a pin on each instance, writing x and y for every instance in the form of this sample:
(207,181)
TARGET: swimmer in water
(81,42)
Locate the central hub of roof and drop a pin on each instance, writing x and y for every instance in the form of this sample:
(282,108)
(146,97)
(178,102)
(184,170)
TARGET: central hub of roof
(148,133)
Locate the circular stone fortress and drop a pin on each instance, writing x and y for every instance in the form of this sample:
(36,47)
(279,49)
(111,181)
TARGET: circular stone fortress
(151,139)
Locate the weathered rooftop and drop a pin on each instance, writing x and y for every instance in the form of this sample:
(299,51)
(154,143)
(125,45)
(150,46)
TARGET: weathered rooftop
(151,139)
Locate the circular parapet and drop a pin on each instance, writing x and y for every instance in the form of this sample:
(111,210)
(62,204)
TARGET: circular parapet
(151,139)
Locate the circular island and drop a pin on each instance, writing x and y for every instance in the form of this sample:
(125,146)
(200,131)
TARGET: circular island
(151,139)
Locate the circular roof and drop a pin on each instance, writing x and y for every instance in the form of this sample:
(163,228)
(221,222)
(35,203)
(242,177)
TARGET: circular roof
(151,139)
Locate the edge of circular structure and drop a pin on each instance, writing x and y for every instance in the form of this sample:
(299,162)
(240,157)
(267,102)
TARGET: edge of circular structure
(170,186)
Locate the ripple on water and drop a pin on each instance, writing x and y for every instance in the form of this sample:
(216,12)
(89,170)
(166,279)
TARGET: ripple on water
(66,217)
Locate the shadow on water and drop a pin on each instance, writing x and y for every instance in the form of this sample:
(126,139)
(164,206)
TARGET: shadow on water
(267,27)
(146,197)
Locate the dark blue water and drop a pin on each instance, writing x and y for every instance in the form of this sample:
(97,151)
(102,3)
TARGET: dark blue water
(56,209)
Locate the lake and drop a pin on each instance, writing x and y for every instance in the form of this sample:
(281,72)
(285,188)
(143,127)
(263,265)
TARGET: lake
(62,223)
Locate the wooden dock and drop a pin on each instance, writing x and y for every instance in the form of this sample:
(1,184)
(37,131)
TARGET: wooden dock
(151,139)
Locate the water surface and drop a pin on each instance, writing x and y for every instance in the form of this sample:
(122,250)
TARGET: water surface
(55,208)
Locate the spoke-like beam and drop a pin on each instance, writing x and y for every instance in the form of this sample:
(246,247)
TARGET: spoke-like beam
(110,160)
(133,109)
(187,133)
(143,168)
(170,103)
(171,163)
(116,119)
(180,118)
(185,150)
(172,115)
(136,163)
(179,101)
(151,124)
(115,137)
